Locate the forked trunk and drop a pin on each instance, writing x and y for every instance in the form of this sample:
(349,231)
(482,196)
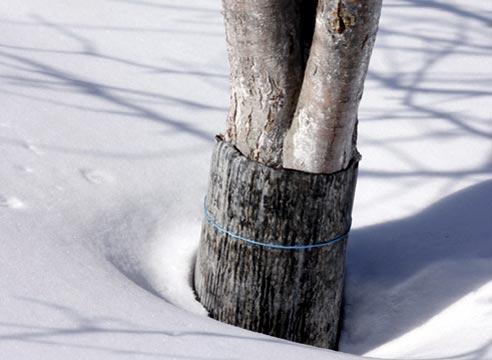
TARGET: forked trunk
(282,181)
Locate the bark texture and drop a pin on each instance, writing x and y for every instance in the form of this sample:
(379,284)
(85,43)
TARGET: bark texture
(266,63)
(322,136)
(292,294)
(297,74)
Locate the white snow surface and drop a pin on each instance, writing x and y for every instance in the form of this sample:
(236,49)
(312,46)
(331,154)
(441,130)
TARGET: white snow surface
(108,112)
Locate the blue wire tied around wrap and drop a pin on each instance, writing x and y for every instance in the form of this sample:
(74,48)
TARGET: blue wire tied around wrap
(220,228)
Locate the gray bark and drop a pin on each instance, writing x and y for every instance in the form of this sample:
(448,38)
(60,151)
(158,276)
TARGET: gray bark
(323,132)
(266,62)
(297,73)
(292,294)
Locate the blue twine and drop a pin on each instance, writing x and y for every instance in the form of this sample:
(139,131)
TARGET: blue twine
(220,228)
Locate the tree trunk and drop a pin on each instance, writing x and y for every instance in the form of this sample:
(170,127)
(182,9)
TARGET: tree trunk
(282,182)
(323,133)
(266,61)
(271,257)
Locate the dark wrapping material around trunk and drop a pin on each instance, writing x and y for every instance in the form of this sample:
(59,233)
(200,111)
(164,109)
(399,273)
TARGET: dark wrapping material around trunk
(272,251)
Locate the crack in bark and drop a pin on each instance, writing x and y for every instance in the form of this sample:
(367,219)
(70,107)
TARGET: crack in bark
(339,24)
(342,18)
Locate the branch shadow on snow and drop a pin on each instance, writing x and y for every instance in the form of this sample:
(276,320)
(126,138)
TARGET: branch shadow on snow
(418,266)
(423,84)
(27,75)
(85,325)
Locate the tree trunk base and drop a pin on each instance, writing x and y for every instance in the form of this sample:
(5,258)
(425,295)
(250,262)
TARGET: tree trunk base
(272,252)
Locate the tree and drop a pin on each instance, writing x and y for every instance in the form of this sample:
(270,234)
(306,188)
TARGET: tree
(278,208)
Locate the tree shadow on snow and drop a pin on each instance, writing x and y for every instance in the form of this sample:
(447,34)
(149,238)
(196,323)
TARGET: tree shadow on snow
(402,273)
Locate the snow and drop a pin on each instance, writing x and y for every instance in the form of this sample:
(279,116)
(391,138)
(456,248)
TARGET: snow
(109,109)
